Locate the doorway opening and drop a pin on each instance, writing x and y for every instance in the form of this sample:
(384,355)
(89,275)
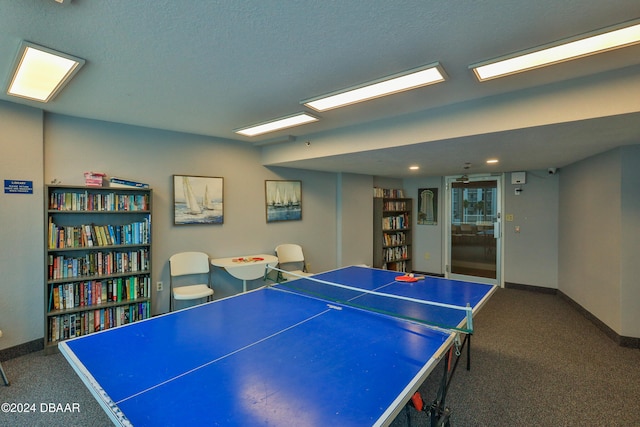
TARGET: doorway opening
(473,241)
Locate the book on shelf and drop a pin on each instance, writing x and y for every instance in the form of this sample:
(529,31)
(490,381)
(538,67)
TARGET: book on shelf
(398,222)
(92,235)
(98,265)
(388,193)
(65,326)
(123,183)
(102,201)
(95,292)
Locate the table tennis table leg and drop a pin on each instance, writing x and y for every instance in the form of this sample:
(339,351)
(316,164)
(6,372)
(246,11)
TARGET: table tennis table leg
(439,413)
(468,339)
(4,376)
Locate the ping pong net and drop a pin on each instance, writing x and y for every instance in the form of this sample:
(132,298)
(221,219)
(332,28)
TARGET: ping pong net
(386,299)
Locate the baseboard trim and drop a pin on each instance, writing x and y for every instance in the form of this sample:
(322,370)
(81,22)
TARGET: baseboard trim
(621,340)
(541,289)
(21,349)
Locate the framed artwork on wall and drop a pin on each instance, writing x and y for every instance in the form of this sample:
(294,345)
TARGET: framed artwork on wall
(428,206)
(283,200)
(197,200)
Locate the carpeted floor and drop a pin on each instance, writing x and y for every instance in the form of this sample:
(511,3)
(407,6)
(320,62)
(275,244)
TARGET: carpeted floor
(535,361)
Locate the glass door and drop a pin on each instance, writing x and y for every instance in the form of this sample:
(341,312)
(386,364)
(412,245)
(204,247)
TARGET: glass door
(473,229)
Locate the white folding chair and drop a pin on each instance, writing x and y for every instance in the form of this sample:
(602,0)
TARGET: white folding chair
(291,258)
(4,376)
(193,264)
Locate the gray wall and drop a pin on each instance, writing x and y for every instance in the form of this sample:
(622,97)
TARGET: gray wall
(355,220)
(428,240)
(21,227)
(530,257)
(630,245)
(589,247)
(73,146)
(594,215)
(598,245)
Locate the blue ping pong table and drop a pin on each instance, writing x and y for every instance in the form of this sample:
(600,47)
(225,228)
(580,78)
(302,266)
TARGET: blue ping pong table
(278,355)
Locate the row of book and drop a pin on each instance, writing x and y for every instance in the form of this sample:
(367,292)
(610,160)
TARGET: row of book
(388,193)
(89,201)
(396,266)
(394,205)
(74,325)
(95,292)
(98,264)
(397,222)
(393,239)
(395,254)
(90,235)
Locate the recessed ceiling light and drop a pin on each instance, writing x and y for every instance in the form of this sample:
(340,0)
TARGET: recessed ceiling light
(414,168)
(400,82)
(40,73)
(623,35)
(492,161)
(277,124)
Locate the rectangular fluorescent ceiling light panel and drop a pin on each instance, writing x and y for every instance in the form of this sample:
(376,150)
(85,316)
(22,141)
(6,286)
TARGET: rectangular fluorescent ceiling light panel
(278,124)
(401,82)
(617,37)
(40,73)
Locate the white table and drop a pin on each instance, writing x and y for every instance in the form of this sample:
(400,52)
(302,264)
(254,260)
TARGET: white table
(246,267)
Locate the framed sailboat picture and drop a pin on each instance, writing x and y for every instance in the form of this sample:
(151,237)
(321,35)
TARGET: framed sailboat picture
(197,200)
(283,200)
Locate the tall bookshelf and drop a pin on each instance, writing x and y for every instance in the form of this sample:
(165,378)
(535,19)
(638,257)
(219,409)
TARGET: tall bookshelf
(392,240)
(97,260)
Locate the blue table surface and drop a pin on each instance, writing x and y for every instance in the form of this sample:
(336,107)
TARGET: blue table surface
(268,357)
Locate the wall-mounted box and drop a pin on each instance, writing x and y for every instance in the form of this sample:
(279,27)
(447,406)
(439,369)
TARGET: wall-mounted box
(518,177)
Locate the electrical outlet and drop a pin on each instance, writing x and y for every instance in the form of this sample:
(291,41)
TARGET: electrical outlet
(159,286)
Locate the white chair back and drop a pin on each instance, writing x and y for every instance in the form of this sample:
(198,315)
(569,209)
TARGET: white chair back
(289,252)
(189,263)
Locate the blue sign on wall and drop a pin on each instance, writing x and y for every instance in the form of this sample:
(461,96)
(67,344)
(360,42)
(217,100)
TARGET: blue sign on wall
(15,186)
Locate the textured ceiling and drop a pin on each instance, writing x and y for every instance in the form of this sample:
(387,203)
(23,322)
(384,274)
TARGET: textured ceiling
(208,67)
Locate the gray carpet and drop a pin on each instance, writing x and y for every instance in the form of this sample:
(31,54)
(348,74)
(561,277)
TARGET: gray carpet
(535,361)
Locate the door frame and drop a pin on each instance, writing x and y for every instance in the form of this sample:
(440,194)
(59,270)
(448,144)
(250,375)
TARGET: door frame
(446,250)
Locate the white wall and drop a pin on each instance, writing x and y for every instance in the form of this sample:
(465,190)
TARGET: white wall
(21,227)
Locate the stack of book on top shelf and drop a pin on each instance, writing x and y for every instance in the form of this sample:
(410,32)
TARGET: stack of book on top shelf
(126,183)
(388,193)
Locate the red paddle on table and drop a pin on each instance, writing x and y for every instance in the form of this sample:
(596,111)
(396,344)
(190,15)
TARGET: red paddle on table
(409,278)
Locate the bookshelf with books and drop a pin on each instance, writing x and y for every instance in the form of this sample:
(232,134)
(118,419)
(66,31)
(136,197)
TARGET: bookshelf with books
(97,259)
(392,240)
